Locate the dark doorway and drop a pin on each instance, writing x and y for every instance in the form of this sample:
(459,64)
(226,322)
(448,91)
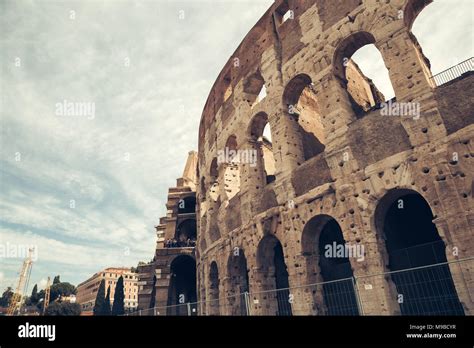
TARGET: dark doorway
(339,296)
(239,280)
(186,233)
(272,263)
(281,281)
(214,289)
(412,241)
(182,288)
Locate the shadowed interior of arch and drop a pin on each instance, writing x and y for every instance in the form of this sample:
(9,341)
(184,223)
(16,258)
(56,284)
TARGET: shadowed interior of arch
(412,240)
(182,289)
(271,262)
(322,238)
(214,289)
(186,230)
(239,281)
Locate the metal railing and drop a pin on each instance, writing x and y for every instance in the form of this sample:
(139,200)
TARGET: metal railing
(424,290)
(453,72)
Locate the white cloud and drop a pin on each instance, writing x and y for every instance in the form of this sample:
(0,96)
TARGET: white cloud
(118,166)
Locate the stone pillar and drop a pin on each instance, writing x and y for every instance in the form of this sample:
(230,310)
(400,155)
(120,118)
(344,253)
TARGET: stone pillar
(252,181)
(376,292)
(286,142)
(410,77)
(458,247)
(335,108)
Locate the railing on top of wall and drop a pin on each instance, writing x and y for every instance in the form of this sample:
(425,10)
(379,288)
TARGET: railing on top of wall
(453,72)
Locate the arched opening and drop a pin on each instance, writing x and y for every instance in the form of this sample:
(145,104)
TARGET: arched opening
(454,24)
(186,233)
(412,10)
(327,260)
(239,282)
(360,66)
(187,205)
(274,275)
(260,135)
(405,220)
(182,288)
(300,100)
(214,289)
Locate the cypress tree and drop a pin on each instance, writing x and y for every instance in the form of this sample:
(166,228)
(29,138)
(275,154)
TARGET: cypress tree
(34,295)
(56,280)
(107,310)
(99,307)
(118,306)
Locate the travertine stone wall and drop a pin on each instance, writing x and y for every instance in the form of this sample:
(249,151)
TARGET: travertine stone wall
(362,157)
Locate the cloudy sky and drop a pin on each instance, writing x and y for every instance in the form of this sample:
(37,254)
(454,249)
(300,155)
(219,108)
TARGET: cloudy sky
(87,190)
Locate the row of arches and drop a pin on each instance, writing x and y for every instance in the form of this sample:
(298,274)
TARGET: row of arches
(305,125)
(306,108)
(403,218)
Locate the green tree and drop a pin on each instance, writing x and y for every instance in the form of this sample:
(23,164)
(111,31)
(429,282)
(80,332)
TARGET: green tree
(99,306)
(63,308)
(107,310)
(61,289)
(56,280)
(6,296)
(34,298)
(118,305)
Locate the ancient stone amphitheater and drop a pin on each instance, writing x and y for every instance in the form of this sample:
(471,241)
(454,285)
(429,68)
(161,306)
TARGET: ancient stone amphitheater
(335,171)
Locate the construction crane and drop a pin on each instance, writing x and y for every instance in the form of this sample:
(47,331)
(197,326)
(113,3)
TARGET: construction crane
(47,292)
(16,301)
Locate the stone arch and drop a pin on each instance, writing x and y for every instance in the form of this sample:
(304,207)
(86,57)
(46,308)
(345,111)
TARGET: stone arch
(412,9)
(405,221)
(182,288)
(346,48)
(238,274)
(363,95)
(264,168)
(186,230)
(214,289)
(327,260)
(273,275)
(299,99)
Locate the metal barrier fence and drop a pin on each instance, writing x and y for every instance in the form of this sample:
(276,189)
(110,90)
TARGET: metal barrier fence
(424,290)
(454,72)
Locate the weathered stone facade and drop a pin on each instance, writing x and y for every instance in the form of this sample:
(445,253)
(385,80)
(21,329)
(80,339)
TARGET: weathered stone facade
(159,280)
(332,160)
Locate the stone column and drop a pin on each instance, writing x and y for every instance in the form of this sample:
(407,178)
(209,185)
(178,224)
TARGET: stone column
(335,108)
(410,77)
(252,180)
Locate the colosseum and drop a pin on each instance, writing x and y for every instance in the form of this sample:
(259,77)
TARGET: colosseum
(335,170)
